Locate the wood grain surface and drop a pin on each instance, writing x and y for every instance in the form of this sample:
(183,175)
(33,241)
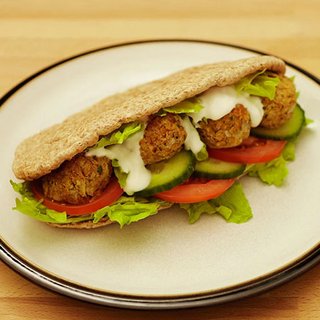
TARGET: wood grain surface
(36,33)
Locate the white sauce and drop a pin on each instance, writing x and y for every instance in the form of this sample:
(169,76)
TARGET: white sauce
(130,161)
(217,102)
(193,141)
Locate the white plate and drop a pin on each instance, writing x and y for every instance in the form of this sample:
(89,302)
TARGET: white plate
(162,262)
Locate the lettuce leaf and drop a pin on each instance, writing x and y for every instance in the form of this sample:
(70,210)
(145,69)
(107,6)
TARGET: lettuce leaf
(274,172)
(193,141)
(289,151)
(34,208)
(261,84)
(308,121)
(186,106)
(119,173)
(235,200)
(233,206)
(195,210)
(127,212)
(118,136)
(124,211)
(202,154)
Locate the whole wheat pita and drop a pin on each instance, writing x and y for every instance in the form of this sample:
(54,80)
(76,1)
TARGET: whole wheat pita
(43,152)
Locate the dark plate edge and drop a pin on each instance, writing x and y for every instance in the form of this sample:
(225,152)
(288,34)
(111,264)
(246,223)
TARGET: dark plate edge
(149,303)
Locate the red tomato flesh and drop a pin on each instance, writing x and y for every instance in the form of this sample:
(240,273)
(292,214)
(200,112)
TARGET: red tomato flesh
(195,191)
(112,193)
(252,150)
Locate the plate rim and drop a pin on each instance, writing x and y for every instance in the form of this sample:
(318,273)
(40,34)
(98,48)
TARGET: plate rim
(231,293)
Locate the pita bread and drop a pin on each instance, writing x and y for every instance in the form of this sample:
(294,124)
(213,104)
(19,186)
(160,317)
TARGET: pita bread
(82,225)
(47,150)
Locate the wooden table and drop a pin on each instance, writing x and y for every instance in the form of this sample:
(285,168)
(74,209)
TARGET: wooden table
(35,33)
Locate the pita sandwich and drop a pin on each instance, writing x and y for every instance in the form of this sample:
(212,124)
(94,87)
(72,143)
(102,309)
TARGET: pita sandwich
(49,152)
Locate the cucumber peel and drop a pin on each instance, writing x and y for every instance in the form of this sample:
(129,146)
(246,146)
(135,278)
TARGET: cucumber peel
(169,173)
(217,169)
(288,131)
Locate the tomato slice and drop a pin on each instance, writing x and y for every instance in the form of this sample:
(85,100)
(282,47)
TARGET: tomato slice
(252,150)
(112,193)
(195,191)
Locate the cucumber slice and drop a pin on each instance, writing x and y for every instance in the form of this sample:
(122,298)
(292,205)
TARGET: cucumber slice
(289,130)
(169,173)
(217,169)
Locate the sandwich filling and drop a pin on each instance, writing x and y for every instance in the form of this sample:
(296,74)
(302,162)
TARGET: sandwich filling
(219,118)
(193,143)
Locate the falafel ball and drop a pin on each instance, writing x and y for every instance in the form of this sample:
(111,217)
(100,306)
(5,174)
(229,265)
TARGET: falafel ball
(78,180)
(279,110)
(227,132)
(163,138)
